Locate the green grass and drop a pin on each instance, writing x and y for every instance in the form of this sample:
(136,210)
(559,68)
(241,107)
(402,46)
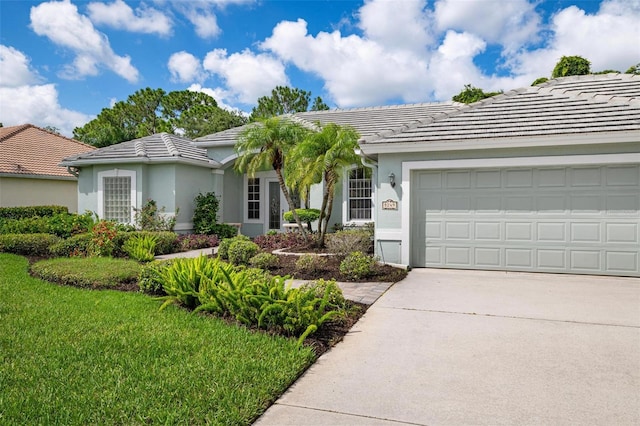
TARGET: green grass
(73,356)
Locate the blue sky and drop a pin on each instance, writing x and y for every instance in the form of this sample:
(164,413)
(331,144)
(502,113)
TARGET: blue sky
(61,62)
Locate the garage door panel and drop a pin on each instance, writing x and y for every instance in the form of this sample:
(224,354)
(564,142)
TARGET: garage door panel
(574,219)
(552,259)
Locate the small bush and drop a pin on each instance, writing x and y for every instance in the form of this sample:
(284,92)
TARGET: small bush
(305,215)
(196,241)
(102,243)
(357,265)
(141,248)
(151,218)
(345,242)
(87,272)
(223,230)
(241,251)
(311,264)
(335,296)
(166,242)
(264,261)
(28,244)
(150,277)
(223,247)
(78,245)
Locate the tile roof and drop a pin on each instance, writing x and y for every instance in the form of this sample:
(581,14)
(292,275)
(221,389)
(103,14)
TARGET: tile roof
(30,150)
(161,147)
(564,106)
(369,122)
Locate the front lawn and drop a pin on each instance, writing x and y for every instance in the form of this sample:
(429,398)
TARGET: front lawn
(74,356)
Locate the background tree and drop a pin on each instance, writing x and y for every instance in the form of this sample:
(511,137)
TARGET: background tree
(285,100)
(571,65)
(472,94)
(265,145)
(322,157)
(51,129)
(150,111)
(633,69)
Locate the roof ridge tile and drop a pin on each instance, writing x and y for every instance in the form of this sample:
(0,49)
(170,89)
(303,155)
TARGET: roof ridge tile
(168,142)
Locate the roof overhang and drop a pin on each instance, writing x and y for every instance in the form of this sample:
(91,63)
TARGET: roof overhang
(30,176)
(211,164)
(573,139)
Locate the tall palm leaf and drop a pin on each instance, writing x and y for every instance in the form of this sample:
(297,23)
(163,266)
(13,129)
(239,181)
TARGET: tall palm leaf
(264,145)
(322,157)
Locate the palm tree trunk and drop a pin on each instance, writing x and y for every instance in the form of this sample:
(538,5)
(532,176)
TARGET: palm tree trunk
(330,180)
(292,207)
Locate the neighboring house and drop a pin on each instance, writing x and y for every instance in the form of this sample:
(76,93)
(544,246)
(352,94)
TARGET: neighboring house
(541,179)
(29,170)
(115,180)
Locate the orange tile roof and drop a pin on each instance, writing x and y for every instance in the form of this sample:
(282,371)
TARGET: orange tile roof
(30,150)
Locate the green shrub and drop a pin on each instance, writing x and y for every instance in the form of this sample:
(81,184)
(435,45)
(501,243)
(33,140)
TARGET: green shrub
(102,243)
(224,230)
(240,252)
(87,272)
(182,279)
(31,211)
(223,247)
(150,277)
(335,296)
(305,215)
(205,214)
(28,244)
(345,242)
(151,218)
(166,242)
(264,261)
(141,247)
(60,224)
(357,265)
(78,245)
(309,263)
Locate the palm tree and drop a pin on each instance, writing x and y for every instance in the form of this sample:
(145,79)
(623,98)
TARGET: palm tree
(264,145)
(321,157)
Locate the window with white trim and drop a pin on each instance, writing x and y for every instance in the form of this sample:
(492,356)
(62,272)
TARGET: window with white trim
(117,195)
(359,184)
(253,198)
(117,198)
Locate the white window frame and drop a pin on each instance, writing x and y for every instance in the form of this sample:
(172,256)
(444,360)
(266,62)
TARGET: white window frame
(117,173)
(245,198)
(345,197)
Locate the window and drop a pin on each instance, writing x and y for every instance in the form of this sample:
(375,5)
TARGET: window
(359,194)
(117,199)
(253,198)
(117,195)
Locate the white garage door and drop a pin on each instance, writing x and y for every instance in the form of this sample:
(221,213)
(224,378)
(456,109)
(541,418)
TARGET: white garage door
(582,220)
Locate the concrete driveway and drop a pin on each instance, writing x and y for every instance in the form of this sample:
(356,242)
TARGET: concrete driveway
(446,347)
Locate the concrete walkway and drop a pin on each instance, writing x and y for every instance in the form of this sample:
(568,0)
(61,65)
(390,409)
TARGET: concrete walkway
(446,347)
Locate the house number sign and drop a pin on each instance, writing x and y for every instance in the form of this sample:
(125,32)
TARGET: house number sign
(389,205)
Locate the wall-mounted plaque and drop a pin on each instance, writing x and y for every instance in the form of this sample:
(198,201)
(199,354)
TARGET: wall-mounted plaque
(389,205)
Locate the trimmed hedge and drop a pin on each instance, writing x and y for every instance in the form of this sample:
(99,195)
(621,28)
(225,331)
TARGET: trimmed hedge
(60,224)
(31,211)
(28,244)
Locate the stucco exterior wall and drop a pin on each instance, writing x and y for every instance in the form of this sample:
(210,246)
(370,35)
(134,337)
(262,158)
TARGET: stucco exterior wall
(190,181)
(19,191)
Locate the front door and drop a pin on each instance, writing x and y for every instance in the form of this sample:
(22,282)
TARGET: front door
(275,206)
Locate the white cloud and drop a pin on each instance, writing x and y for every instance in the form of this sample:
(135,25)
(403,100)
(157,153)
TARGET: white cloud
(121,16)
(397,25)
(63,25)
(185,67)
(38,105)
(15,69)
(247,75)
(356,70)
(508,23)
(204,21)
(610,39)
